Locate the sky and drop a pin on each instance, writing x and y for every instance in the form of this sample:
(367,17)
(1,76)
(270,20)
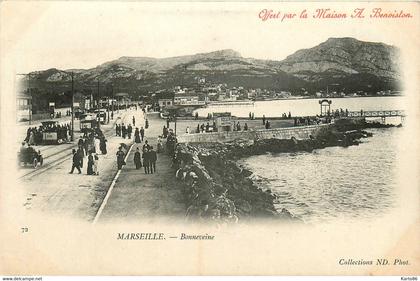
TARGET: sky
(65,35)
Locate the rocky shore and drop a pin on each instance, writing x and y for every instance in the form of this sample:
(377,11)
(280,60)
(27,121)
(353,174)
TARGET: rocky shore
(217,188)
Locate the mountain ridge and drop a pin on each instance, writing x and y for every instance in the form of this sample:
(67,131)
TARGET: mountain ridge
(372,65)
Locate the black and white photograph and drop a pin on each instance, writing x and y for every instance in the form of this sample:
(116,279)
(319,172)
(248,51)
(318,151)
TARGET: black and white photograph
(201,134)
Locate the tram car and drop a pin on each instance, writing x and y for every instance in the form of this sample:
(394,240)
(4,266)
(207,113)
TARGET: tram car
(30,156)
(101,116)
(89,122)
(49,132)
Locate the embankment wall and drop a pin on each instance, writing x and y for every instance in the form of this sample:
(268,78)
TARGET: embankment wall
(300,133)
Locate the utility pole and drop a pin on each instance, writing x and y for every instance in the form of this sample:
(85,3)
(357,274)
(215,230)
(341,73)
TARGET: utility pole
(112,101)
(30,94)
(72,106)
(175,124)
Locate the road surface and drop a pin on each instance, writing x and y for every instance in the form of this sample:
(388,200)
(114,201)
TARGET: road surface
(135,195)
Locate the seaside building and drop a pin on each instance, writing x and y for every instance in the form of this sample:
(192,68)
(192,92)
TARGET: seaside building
(187,99)
(24,107)
(165,102)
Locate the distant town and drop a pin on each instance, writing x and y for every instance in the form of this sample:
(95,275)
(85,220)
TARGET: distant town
(189,98)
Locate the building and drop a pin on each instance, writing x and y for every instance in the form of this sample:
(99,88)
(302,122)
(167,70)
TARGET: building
(24,107)
(123,99)
(164,102)
(187,99)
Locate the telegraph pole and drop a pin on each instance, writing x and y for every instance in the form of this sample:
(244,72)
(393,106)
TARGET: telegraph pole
(30,94)
(72,106)
(112,101)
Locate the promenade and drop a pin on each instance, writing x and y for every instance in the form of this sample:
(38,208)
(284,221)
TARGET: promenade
(142,197)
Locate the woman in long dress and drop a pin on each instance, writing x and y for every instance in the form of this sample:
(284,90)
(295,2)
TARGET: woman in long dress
(95,164)
(137,159)
(102,145)
(97,143)
(90,164)
(137,138)
(31,138)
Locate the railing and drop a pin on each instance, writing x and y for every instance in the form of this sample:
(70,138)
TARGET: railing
(379,113)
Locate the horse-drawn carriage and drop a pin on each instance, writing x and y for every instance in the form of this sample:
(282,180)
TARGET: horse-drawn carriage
(30,156)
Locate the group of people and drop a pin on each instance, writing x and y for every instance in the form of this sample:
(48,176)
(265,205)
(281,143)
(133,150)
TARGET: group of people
(92,162)
(237,126)
(139,135)
(89,145)
(344,113)
(149,158)
(122,130)
(204,128)
(286,116)
(266,123)
(34,134)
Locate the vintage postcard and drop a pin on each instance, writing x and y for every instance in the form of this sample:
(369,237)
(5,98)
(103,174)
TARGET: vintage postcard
(209,138)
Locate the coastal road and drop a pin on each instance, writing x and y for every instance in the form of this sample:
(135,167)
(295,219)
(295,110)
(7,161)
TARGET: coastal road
(59,193)
(142,197)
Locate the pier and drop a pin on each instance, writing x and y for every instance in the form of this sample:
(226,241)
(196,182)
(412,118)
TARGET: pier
(378,113)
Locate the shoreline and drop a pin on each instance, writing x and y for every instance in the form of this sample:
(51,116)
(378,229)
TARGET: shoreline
(218,188)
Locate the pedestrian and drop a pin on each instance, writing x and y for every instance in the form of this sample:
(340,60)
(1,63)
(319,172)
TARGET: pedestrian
(76,162)
(167,122)
(23,148)
(142,133)
(187,130)
(263,119)
(129,131)
(81,153)
(165,131)
(120,158)
(28,133)
(152,160)
(95,164)
(137,159)
(97,143)
(246,127)
(124,131)
(102,145)
(134,121)
(146,160)
(31,138)
(267,124)
(159,144)
(137,138)
(238,126)
(146,146)
(117,130)
(146,125)
(90,164)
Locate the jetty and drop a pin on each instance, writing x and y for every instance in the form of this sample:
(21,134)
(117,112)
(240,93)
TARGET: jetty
(383,114)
